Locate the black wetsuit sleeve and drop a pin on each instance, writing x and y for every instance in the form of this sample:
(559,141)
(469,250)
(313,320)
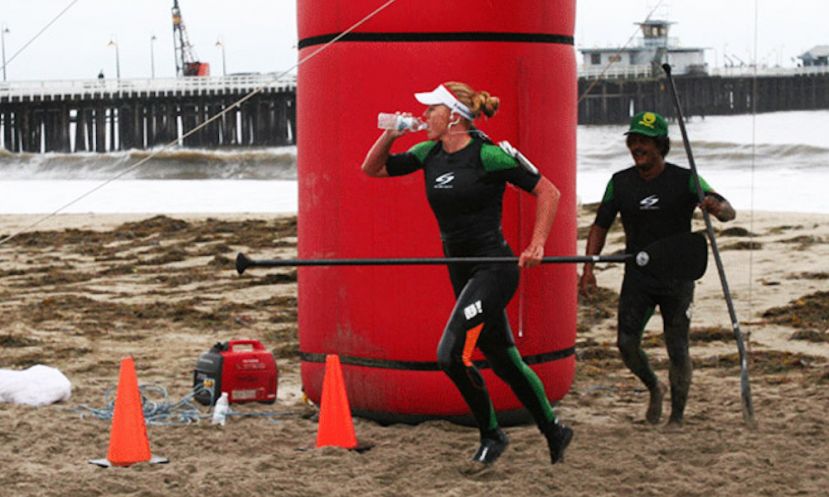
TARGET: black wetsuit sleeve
(608,208)
(410,161)
(402,164)
(520,177)
(716,196)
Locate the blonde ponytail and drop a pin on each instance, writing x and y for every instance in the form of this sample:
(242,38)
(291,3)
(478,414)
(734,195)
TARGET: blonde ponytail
(478,102)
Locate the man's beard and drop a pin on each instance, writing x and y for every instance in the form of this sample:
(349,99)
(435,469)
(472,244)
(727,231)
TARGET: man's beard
(645,166)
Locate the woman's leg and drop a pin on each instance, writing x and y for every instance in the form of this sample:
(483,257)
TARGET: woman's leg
(497,344)
(460,336)
(479,299)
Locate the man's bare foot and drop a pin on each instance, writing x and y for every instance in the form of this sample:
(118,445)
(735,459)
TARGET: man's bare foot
(674,422)
(654,412)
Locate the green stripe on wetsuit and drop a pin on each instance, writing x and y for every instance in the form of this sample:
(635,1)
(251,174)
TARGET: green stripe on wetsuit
(493,157)
(534,381)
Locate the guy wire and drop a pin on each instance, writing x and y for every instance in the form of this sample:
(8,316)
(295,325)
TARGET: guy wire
(170,145)
(36,36)
(753,163)
(614,57)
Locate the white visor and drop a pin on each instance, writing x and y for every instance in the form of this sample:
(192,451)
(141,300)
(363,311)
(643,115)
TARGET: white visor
(442,96)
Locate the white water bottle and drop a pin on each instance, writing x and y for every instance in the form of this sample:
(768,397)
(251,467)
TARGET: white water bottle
(220,410)
(399,123)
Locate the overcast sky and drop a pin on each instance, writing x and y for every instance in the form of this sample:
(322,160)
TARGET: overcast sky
(260,35)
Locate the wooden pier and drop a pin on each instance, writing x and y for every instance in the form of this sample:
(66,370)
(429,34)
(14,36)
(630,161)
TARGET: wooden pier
(106,116)
(112,115)
(615,100)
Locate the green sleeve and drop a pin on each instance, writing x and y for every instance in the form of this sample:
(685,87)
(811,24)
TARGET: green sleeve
(608,192)
(422,149)
(706,188)
(495,159)
(606,213)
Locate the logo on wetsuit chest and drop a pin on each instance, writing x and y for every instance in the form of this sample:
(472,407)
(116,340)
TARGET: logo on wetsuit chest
(445,180)
(473,310)
(649,203)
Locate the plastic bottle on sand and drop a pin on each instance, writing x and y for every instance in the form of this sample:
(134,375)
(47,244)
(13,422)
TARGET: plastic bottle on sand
(220,410)
(399,123)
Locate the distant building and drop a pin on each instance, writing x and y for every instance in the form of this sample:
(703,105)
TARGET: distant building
(817,56)
(654,49)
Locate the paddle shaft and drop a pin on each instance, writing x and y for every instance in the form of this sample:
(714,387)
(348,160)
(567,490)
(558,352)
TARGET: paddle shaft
(423,261)
(745,386)
(681,257)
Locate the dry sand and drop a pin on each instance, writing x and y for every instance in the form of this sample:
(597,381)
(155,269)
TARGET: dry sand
(84,291)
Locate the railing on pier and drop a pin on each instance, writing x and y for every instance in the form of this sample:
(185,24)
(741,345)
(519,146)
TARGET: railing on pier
(197,85)
(764,71)
(616,71)
(615,100)
(637,71)
(105,115)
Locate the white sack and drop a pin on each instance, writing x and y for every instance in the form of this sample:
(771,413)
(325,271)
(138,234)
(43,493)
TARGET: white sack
(37,386)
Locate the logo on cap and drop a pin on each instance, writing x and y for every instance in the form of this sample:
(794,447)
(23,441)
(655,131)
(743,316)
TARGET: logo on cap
(649,120)
(648,124)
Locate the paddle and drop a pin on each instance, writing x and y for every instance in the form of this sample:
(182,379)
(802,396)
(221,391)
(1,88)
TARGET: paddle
(745,386)
(682,257)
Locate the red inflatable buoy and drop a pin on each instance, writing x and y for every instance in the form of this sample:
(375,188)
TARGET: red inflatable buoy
(385,321)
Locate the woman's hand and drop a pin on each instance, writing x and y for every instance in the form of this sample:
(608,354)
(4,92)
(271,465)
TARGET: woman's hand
(546,204)
(394,133)
(531,256)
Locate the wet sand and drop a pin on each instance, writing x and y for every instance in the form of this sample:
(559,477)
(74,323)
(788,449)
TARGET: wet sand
(83,291)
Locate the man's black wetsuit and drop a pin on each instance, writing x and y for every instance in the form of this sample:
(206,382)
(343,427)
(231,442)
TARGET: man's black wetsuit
(465,190)
(652,210)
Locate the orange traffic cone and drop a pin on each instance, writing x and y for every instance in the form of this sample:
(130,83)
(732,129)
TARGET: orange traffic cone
(128,442)
(336,427)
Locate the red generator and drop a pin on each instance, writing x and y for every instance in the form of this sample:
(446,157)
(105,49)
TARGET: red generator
(242,368)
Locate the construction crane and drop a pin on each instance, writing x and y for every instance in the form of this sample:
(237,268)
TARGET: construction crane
(186,63)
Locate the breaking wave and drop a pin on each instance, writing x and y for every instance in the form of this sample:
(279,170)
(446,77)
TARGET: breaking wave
(181,164)
(717,154)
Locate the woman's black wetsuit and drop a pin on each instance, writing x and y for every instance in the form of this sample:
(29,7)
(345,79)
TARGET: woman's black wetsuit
(465,190)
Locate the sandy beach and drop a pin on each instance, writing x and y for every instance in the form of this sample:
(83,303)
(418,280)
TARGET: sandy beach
(82,291)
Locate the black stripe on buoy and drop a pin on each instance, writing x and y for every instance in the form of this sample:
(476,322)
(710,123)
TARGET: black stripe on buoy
(429,366)
(438,37)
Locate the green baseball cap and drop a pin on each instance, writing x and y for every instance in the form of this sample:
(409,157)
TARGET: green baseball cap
(648,124)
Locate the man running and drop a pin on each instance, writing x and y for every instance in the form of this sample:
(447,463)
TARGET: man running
(656,199)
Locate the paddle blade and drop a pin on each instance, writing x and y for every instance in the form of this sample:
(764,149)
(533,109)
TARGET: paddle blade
(242,262)
(679,257)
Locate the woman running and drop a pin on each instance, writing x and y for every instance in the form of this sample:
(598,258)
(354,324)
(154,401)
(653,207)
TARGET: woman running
(465,180)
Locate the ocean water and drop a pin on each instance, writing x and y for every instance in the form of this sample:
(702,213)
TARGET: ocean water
(777,161)
(768,162)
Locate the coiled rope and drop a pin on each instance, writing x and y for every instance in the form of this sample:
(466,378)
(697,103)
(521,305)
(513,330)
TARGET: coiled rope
(160,410)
